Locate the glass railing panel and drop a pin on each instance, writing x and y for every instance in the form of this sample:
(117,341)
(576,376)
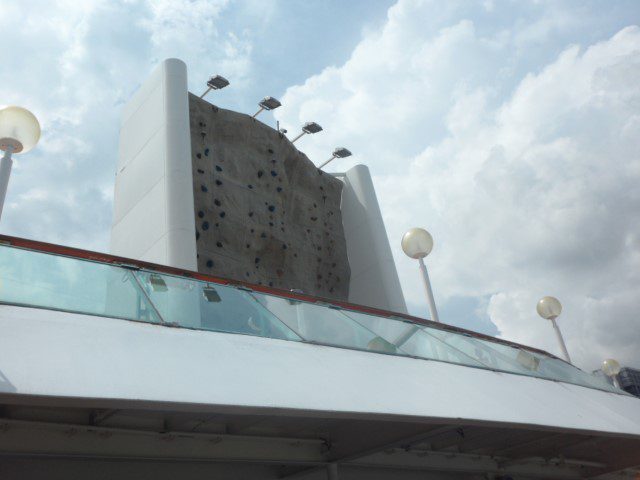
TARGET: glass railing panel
(318,323)
(494,355)
(62,283)
(44,280)
(404,338)
(201,305)
(518,360)
(389,333)
(557,369)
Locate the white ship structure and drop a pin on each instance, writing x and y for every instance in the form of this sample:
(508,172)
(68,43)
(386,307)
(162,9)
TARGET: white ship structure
(150,364)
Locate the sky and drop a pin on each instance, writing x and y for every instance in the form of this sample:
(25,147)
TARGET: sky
(508,129)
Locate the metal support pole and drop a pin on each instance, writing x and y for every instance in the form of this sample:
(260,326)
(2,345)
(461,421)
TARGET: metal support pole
(332,471)
(258,112)
(427,286)
(294,140)
(5,172)
(325,163)
(560,340)
(205,92)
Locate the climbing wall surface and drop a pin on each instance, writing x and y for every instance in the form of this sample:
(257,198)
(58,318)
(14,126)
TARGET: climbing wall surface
(264,213)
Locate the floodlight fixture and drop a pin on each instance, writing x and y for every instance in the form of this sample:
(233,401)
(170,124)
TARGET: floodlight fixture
(308,128)
(267,103)
(339,152)
(417,243)
(19,133)
(550,308)
(217,82)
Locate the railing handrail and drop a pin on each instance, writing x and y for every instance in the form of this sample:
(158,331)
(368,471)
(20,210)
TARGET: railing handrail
(115,260)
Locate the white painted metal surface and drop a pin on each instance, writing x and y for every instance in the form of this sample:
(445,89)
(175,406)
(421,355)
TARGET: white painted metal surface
(153,202)
(58,354)
(374,279)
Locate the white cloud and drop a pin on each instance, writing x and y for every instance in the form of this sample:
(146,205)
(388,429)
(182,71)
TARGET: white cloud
(528,191)
(74,64)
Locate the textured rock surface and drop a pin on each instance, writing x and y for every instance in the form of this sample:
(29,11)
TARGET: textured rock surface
(264,213)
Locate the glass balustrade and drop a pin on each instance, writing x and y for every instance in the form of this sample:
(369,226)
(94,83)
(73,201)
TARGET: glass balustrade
(44,280)
(56,282)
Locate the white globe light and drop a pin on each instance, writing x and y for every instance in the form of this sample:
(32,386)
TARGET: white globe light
(549,307)
(610,367)
(19,129)
(417,243)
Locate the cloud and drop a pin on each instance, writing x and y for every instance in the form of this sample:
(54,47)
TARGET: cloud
(526,177)
(74,64)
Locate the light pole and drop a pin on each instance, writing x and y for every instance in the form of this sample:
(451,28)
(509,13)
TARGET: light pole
(19,133)
(309,127)
(267,103)
(417,243)
(550,308)
(339,152)
(217,82)
(611,369)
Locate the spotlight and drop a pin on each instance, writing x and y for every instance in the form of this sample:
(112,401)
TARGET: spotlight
(216,82)
(267,103)
(309,127)
(339,152)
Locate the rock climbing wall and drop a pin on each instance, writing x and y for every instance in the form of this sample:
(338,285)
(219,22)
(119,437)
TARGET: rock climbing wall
(264,213)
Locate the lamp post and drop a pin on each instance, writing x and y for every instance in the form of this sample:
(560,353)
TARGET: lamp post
(611,369)
(550,308)
(417,243)
(309,127)
(339,152)
(267,103)
(19,133)
(217,82)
